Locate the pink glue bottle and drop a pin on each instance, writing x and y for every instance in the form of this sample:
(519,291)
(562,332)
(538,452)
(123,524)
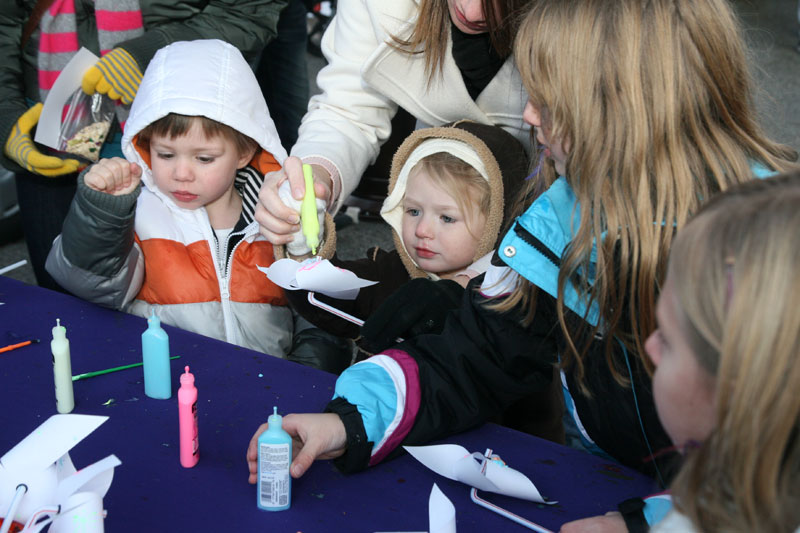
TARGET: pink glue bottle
(187,420)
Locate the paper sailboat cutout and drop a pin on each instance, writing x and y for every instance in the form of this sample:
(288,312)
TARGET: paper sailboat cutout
(317,275)
(476,470)
(38,479)
(441,514)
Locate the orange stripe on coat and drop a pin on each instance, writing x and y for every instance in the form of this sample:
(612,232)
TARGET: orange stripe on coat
(178,274)
(249,284)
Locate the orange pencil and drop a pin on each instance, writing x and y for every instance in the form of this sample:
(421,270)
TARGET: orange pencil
(18,345)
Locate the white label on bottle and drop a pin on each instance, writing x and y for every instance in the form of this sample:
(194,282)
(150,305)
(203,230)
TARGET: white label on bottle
(273,466)
(195,439)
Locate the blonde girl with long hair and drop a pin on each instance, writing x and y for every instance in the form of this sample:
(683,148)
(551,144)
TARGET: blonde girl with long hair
(730,304)
(642,111)
(725,354)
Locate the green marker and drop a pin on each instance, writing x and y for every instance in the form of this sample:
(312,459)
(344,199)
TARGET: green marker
(109,370)
(308,212)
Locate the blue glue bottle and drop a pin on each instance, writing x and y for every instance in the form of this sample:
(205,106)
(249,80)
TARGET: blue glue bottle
(274,459)
(155,359)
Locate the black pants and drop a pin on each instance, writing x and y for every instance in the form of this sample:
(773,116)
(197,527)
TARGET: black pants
(43,205)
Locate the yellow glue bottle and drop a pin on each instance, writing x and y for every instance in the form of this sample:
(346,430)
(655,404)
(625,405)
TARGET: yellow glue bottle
(308,212)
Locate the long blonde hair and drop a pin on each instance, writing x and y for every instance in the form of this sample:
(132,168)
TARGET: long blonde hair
(734,270)
(431,32)
(653,100)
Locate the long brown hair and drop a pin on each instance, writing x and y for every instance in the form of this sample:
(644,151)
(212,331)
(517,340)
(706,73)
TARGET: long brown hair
(654,101)
(734,273)
(431,31)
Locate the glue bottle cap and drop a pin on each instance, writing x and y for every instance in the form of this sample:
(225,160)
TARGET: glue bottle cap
(59,331)
(187,378)
(153,321)
(275,420)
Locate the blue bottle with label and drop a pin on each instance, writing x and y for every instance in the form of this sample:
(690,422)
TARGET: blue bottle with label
(155,357)
(274,459)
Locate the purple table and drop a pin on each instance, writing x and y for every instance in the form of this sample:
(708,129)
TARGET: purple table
(237,389)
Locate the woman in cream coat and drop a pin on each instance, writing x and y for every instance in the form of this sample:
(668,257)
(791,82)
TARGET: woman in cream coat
(375,64)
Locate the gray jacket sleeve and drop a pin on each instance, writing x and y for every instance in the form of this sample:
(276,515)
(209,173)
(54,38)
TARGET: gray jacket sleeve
(95,257)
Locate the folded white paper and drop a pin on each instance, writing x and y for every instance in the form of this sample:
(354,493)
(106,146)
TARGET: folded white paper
(441,512)
(317,275)
(42,463)
(476,470)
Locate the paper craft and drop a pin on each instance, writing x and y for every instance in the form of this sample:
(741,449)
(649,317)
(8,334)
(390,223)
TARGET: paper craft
(38,480)
(441,514)
(317,275)
(69,81)
(476,470)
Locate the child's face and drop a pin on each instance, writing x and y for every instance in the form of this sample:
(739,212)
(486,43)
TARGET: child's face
(435,231)
(554,149)
(682,389)
(195,170)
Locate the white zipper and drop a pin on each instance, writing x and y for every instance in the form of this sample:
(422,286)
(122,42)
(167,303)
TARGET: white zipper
(231,333)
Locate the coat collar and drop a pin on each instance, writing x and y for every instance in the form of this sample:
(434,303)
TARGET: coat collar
(392,73)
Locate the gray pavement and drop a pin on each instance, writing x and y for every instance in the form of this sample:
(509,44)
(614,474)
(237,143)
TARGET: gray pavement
(772,33)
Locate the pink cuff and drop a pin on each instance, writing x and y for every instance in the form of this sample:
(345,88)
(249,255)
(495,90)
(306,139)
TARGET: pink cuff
(336,180)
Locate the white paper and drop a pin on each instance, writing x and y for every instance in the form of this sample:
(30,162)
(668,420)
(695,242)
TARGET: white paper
(46,444)
(81,513)
(474,469)
(441,512)
(95,478)
(317,275)
(66,84)
(41,462)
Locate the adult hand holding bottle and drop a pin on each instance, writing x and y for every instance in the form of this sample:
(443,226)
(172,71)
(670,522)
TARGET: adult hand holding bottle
(314,436)
(279,222)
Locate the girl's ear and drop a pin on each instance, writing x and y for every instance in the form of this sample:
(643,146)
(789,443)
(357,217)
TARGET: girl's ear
(246,157)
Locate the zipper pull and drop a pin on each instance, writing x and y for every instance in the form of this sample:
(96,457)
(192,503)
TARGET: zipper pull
(224,288)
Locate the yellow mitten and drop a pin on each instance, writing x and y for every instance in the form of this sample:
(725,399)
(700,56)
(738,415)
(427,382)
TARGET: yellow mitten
(20,148)
(116,74)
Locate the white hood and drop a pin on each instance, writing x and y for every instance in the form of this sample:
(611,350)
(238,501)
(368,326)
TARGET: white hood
(205,77)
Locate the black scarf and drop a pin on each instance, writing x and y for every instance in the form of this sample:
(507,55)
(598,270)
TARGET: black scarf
(476,58)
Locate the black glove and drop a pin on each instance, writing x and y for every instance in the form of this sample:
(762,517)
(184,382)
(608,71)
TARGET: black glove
(418,307)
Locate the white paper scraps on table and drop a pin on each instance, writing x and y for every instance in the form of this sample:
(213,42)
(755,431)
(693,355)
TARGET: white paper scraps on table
(69,81)
(41,463)
(317,275)
(441,514)
(47,443)
(476,470)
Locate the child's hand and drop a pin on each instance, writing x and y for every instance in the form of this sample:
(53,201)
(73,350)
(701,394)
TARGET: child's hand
(314,436)
(114,176)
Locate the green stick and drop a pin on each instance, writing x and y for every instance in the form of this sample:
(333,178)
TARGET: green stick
(109,370)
